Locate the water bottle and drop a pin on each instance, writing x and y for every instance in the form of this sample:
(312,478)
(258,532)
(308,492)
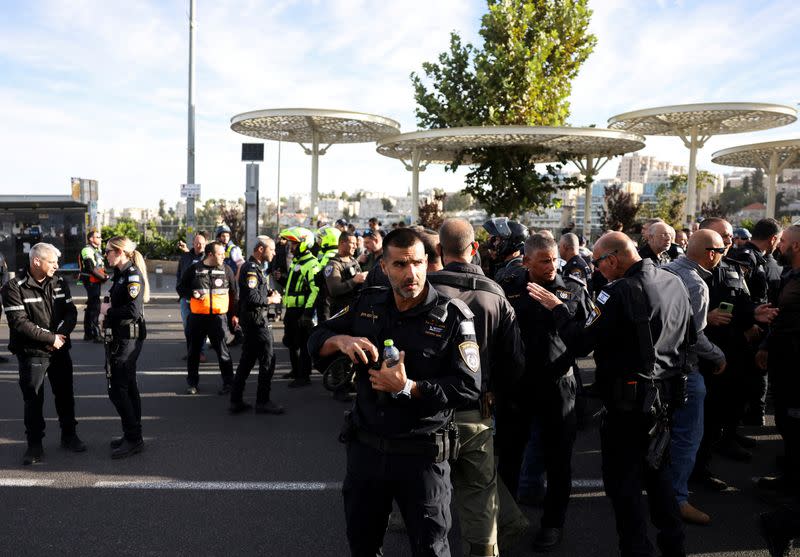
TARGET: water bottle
(391,355)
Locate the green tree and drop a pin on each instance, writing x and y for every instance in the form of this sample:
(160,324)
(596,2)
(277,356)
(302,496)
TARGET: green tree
(387,204)
(532,49)
(458,202)
(670,202)
(619,210)
(162,211)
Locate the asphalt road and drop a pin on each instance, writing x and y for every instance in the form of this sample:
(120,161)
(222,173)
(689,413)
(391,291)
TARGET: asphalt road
(213,484)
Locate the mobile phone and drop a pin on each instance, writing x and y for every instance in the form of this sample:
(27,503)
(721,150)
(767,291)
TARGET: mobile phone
(726,307)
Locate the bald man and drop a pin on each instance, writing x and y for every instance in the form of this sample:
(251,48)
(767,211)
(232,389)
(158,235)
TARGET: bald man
(705,251)
(731,317)
(575,265)
(649,308)
(658,240)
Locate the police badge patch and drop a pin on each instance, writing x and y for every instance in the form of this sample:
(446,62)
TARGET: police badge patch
(563,294)
(328,270)
(134,288)
(252,281)
(471,355)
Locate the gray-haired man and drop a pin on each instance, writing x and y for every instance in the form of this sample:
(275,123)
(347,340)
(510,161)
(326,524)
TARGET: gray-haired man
(41,317)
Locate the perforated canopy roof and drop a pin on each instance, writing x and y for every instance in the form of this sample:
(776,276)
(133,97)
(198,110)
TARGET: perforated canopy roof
(546,143)
(298,125)
(709,118)
(758,155)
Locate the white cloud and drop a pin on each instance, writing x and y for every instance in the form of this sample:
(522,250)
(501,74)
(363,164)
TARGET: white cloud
(103,85)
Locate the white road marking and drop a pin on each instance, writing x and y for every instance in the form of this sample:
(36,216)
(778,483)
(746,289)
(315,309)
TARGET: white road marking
(25,482)
(219,486)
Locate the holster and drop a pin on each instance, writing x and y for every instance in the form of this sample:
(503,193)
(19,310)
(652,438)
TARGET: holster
(440,446)
(659,442)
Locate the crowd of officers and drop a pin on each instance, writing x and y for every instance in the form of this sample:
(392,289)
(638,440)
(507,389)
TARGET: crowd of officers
(486,398)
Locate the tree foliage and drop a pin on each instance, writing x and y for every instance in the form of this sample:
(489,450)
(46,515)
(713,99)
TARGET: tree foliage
(431,214)
(619,210)
(532,49)
(751,191)
(670,202)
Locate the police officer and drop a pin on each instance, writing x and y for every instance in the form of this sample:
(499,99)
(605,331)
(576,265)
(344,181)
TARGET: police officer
(328,241)
(92,275)
(300,297)
(731,316)
(780,355)
(255,296)
(546,399)
(505,245)
(502,363)
(211,289)
(651,307)
(763,277)
(123,320)
(399,439)
(343,274)
(575,264)
(741,236)
(373,250)
(41,316)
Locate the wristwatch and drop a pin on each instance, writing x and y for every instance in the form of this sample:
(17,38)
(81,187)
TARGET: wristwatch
(406,390)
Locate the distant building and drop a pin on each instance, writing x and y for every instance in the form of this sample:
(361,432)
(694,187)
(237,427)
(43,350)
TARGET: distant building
(643,169)
(753,212)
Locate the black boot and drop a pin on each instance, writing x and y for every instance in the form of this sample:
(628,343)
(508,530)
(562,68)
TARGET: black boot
(127,448)
(73,443)
(33,455)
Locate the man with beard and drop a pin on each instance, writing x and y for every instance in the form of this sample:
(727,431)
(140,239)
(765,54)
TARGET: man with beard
(780,356)
(398,433)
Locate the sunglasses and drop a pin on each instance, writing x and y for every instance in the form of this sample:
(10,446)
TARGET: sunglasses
(720,251)
(596,262)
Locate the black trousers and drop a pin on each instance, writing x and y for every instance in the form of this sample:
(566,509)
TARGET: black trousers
(295,338)
(123,389)
(58,368)
(624,442)
(91,314)
(212,326)
(421,489)
(257,347)
(554,414)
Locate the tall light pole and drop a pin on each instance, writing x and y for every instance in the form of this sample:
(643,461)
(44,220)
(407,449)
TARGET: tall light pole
(190,224)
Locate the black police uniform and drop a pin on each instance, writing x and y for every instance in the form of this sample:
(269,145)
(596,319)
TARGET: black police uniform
(396,445)
(763,279)
(199,282)
(36,312)
(646,252)
(675,251)
(187,260)
(783,346)
(662,305)
(254,291)
(125,323)
(578,268)
(339,284)
(546,397)
(507,268)
(376,276)
(502,365)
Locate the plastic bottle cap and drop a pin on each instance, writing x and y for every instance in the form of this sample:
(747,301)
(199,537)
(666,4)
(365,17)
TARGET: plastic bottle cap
(388,342)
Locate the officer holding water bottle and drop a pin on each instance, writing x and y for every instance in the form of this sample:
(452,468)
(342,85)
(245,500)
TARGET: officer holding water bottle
(400,432)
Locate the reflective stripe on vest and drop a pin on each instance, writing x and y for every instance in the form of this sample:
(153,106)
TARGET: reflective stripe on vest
(206,300)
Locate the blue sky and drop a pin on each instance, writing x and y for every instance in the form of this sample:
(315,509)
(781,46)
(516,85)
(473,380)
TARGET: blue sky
(97,88)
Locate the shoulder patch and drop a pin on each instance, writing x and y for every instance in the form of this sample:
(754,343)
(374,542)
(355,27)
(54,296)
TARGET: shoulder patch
(593,316)
(603,297)
(134,278)
(328,270)
(471,355)
(133,289)
(563,294)
(252,280)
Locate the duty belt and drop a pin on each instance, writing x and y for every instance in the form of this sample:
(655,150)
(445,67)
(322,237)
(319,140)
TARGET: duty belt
(432,446)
